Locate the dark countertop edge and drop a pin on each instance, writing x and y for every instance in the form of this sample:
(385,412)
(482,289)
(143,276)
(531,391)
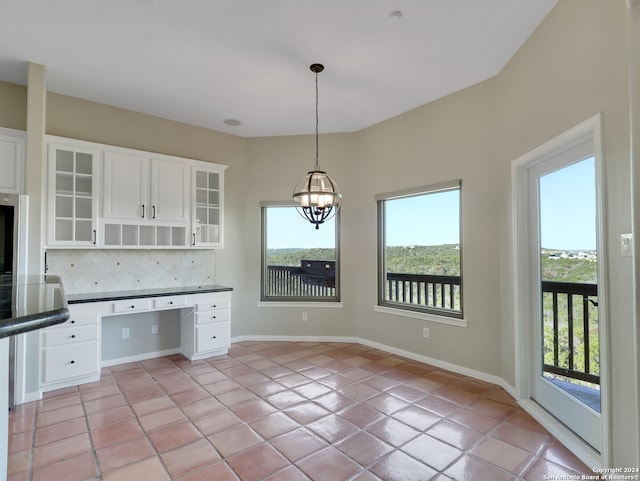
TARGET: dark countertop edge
(31,322)
(119,296)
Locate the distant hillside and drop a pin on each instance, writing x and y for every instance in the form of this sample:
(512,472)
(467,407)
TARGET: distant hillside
(441,260)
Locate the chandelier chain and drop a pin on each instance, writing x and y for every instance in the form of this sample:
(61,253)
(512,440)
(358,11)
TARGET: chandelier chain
(317,166)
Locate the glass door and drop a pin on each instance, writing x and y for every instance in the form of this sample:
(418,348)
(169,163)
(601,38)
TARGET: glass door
(564,305)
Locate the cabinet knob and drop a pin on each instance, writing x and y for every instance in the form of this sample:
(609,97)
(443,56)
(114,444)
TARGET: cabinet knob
(73,336)
(132,307)
(72,362)
(213,337)
(213,317)
(213,307)
(73,321)
(170,302)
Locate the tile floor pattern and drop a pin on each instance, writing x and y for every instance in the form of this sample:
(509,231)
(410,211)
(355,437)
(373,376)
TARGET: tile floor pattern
(282,411)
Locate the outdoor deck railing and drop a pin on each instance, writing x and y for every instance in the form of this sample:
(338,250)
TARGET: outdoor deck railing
(427,290)
(571,307)
(288,281)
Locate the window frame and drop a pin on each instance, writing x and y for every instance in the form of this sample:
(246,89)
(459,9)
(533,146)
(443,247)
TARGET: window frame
(448,316)
(295,301)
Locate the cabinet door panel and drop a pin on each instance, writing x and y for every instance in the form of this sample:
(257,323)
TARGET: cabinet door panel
(68,362)
(210,337)
(125,186)
(169,182)
(11,164)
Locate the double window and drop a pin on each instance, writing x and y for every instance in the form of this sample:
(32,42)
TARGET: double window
(419,249)
(299,262)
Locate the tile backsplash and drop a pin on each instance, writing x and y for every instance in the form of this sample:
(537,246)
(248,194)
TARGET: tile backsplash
(86,271)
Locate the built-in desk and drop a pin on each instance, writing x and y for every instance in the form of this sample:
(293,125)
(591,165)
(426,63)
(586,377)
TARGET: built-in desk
(199,322)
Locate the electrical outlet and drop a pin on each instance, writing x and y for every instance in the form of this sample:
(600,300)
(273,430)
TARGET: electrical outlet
(305,316)
(154,329)
(125,333)
(425,332)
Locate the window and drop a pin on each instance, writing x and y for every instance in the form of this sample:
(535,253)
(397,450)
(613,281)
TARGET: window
(419,250)
(299,262)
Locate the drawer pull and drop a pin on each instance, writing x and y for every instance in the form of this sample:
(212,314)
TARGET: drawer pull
(170,302)
(73,336)
(213,317)
(213,338)
(213,307)
(132,307)
(72,362)
(73,321)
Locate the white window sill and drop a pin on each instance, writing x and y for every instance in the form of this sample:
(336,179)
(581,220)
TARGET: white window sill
(298,304)
(452,321)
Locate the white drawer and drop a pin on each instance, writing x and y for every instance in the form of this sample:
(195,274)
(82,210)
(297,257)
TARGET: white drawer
(216,315)
(210,337)
(169,301)
(77,320)
(214,302)
(67,362)
(69,335)
(132,305)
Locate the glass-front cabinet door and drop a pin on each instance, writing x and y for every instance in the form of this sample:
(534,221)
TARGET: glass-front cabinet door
(72,196)
(207,195)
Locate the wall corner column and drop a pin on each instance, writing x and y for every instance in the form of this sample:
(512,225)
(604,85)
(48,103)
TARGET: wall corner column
(634,133)
(35,167)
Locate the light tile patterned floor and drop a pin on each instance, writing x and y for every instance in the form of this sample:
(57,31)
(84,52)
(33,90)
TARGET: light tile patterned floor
(282,411)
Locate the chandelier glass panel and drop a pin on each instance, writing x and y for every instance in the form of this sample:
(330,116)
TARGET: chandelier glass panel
(316,195)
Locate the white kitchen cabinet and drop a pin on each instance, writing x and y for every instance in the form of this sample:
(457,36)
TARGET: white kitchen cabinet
(126,182)
(206,328)
(112,197)
(70,352)
(142,188)
(145,201)
(12,160)
(207,205)
(72,195)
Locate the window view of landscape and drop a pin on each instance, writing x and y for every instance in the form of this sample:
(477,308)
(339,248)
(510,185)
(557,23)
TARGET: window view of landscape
(569,265)
(422,251)
(299,261)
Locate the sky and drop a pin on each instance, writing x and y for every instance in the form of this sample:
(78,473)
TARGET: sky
(568,207)
(287,228)
(567,216)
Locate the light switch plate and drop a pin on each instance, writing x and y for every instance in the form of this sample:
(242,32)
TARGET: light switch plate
(626,245)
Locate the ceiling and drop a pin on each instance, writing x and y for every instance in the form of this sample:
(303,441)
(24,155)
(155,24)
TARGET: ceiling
(204,61)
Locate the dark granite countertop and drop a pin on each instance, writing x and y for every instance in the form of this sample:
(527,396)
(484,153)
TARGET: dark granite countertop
(40,302)
(137,294)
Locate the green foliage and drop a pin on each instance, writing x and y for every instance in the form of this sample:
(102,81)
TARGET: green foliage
(436,260)
(568,269)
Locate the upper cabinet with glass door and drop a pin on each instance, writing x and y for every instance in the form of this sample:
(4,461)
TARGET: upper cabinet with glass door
(72,200)
(207,208)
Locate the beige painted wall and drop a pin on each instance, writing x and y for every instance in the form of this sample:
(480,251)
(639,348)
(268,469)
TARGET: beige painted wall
(572,67)
(13,106)
(274,166)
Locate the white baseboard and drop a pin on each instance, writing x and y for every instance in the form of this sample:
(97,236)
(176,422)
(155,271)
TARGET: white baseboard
(465,371)
(581,449)
(139,357)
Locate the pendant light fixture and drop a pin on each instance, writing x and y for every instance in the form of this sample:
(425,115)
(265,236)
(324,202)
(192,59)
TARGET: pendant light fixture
(316,195)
